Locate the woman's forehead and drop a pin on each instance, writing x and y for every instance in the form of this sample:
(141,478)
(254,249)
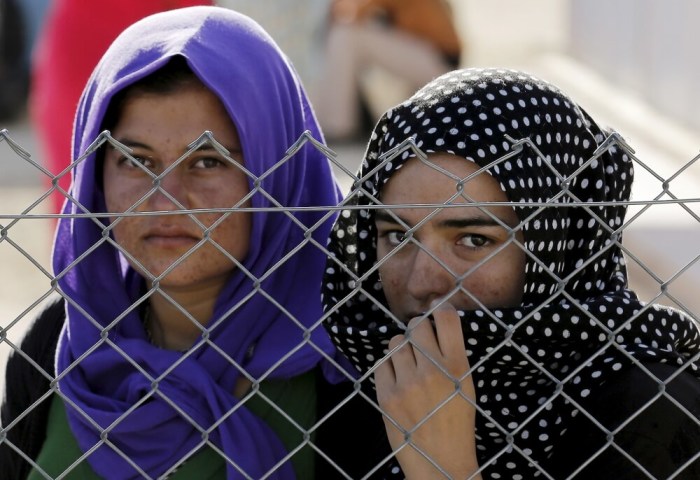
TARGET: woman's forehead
(439,178)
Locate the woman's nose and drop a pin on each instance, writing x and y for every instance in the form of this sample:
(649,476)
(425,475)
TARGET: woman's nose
(430,276)
(171,191)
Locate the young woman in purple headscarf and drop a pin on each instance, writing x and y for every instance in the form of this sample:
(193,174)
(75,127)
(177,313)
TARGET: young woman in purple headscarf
(187,345)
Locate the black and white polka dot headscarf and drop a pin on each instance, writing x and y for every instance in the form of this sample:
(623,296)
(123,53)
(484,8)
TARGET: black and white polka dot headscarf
(578,323)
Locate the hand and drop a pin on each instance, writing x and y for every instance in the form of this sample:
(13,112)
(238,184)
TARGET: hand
(410,388)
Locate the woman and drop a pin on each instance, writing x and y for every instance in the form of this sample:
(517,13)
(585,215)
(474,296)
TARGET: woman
(571,375)
(191,343)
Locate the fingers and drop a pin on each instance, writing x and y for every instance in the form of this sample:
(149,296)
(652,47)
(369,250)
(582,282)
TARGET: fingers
(442,344)
(422,338)
(425,348)
(384,376)
(401,360)
(448,326)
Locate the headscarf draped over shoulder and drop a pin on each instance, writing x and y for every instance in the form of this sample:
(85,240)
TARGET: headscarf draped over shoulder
(578,323)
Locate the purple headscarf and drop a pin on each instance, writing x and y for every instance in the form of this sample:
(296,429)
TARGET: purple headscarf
(105,364)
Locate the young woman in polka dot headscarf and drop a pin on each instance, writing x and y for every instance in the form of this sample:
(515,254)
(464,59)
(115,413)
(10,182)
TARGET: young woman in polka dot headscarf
(488,218)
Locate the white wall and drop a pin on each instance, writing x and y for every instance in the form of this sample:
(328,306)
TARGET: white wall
(646,45)
(508,32)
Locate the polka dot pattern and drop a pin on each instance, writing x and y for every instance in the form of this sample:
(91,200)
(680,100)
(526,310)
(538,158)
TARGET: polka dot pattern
(578,323)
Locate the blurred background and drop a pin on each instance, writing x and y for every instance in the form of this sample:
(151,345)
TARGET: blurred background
(627,62)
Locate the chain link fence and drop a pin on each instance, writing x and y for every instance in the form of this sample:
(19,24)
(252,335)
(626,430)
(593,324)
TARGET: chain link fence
(25,233)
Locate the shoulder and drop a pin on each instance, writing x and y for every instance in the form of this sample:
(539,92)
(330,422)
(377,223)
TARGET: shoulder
(28,376)
(42,336)
(36,350)
(653,413)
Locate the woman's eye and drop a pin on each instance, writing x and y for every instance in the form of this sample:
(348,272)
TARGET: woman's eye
(395,238)
(136,162)
(473,240)
(208,162)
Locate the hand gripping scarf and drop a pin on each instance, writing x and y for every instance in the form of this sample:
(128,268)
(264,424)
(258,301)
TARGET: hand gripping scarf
(133,406)
(578,323)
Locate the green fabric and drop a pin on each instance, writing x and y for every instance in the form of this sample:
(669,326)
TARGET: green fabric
(295,397)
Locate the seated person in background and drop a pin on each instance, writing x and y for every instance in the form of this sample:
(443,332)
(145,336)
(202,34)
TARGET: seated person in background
(187,344)
(415,40)
(477,276)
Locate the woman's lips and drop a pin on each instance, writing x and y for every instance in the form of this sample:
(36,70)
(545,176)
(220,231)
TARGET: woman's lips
(170,239)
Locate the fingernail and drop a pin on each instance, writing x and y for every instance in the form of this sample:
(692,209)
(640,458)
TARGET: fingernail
(436,303)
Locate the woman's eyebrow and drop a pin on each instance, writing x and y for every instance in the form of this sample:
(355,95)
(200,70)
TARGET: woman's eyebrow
(486,221)
(209,148)
(127,142)
(387,217)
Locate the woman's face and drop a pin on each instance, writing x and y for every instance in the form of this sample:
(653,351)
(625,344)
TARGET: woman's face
(453,246)
(159,128)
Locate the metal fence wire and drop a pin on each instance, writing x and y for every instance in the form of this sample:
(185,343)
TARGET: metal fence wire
(22,258)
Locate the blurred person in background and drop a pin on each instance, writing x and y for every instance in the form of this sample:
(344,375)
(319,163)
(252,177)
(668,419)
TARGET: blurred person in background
(413,40)
(188,345)
(296,26)
(74,36)
(14,73)
(478,277)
